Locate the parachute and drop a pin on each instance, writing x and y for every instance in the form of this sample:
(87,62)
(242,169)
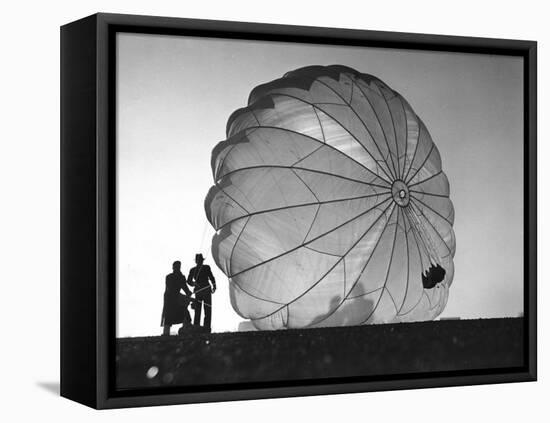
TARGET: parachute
(330,205)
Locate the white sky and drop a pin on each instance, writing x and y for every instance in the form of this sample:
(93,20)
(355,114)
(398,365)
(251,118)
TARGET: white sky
(175,95)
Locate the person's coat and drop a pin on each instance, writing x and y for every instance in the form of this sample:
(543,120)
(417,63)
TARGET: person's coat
(175,304)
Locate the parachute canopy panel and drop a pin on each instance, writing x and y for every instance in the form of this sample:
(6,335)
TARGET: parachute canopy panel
(330,205)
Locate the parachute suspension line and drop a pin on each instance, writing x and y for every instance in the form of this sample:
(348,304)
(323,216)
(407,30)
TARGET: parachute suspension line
(383,213)
(348,295)
(423,235)
(204,233)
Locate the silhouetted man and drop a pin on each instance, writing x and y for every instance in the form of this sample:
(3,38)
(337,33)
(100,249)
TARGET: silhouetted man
(175,304)
(200,277)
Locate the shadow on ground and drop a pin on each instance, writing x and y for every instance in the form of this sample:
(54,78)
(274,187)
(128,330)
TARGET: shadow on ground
(51,387)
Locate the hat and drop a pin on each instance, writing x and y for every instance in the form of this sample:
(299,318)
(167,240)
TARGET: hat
(199,257)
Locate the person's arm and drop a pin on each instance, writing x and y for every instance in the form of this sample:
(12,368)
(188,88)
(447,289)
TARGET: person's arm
(185,287)
(190,278)
(212,280)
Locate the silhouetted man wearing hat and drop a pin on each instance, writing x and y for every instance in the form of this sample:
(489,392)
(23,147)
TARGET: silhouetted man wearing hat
(202,279)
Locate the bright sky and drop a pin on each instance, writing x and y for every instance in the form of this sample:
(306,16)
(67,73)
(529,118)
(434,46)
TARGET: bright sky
(175,95)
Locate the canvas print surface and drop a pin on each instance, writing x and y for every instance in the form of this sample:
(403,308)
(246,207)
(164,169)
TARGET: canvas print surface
(292,211)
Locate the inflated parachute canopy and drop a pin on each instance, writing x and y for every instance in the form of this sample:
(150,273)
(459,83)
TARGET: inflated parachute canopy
(330,205)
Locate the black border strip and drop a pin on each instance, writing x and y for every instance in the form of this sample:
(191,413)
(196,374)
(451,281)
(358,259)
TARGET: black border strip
(108,26)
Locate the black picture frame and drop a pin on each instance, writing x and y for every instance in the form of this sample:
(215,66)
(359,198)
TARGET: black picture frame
(88,198)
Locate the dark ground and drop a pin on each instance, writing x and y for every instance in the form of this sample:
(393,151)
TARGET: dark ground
(232,357)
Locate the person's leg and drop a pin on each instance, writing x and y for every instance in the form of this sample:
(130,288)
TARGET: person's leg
(166,330)
(187,317)
(208,311)
(198,307)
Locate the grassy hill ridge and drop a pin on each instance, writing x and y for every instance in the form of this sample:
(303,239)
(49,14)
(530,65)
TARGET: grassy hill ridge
(233,357)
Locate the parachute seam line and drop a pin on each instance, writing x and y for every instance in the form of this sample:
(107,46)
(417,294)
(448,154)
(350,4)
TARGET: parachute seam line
(328,145)
(389,265)
(322,252)
(235,245)
(227,154)
(235,201)
(364,294)
(408,263)
(433,210)
(394,174)
(314,105)
(433,227)
(406,138)
(428,297)
(392,299)
(387,274)
(246,134)
(255,296)
(331,269)
(430,294)
(276,182)
(378,89)
(415,147)
(320,125)
(304,169)
(346,130)
(316,198)
(438,301)
(255,117)
(331,104)
(363,270)
(301,205)
(313,239)
(435,303)
(306,185)
(231,265)
(344,293)
(422,165)
(364,267)
(245,197)
(414,306)
(307,155)
(312,222)
(360,120)
(381,127)
(430,193)
(427,179)
(394,131)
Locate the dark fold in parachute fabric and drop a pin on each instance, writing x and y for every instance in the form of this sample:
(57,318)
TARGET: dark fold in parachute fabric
(330,205)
